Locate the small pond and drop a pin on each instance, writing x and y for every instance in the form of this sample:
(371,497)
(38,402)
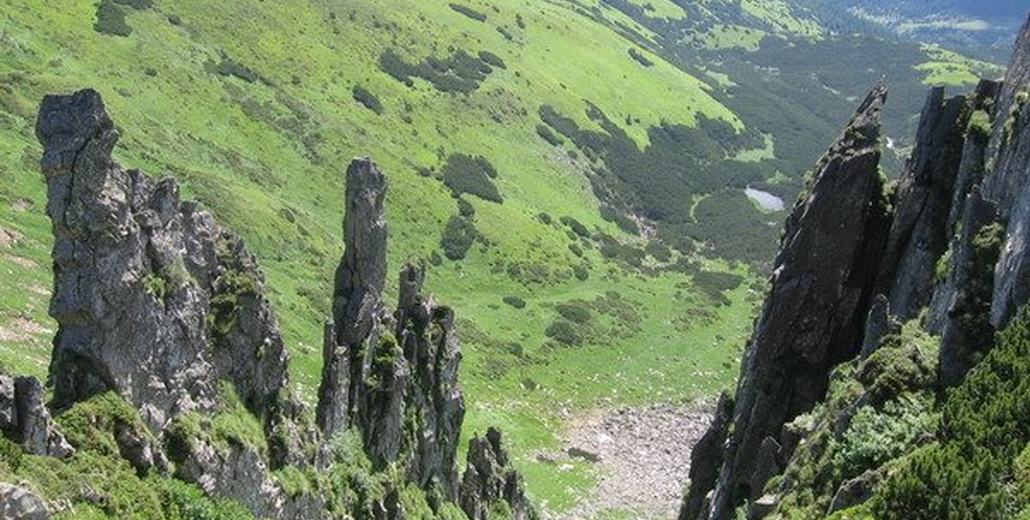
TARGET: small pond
(766,200)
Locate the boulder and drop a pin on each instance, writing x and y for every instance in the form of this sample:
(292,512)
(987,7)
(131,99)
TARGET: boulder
(25,419)
(18,503)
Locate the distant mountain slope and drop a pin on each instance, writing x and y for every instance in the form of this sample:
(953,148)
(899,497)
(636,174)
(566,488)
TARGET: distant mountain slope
(985,28)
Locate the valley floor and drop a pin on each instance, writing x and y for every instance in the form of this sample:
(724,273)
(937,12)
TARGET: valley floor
(642,456)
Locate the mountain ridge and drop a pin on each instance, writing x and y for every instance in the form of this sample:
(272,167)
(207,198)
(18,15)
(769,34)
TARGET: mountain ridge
(865,440)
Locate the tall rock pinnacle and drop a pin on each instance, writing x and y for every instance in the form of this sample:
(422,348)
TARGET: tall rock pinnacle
(812,319)
(157,302)
(394,377)
(152,298)
(358,309)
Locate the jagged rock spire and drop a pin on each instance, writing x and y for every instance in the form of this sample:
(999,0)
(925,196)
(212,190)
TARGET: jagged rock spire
(358,309)
(812,319)
(357,298)
(157,302)
(490,479)
(152,298)
(394,377)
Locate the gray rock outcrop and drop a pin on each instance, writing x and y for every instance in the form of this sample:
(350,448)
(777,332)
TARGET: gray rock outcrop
(706,460)
(1008,162)
(919,231)
(813,317)
(157,302)
(152,298)
(490,481)
(24,418)
(18,503)
(394,377)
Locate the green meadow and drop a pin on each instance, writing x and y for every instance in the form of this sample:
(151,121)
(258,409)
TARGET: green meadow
(257,106)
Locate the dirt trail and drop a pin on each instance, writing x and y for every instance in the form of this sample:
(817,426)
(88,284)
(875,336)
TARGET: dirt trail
(643,455)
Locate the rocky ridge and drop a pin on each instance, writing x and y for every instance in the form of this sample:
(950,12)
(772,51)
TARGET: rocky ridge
(158,304)
(951,239)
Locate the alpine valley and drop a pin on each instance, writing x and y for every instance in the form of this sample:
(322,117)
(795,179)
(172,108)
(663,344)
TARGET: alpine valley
(492,259)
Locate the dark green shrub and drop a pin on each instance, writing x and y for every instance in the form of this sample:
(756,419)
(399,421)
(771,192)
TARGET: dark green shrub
(576,226)
(229,67)
(573,312)
(465,208)
(111,19)
(492,59)
(366,98)
(515,301)
(460,72)
(903,363)
(983,431)
(458,236)
(544,217)
(613,249)
(466,174)
(714,284)
(581,272)
(639,58)
(563,332)
(469,12)
(658,251)
(546,134)
(611,214)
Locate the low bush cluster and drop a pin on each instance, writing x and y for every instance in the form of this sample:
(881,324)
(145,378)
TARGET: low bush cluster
(461,72)
(515,301)
(469,12)
(982,437)
(367,99)
(466,174)
(458,236)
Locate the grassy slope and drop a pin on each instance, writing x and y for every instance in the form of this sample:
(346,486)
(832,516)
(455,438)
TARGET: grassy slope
(267,158)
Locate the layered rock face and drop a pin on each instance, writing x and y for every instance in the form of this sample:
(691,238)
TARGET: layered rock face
(919,231)
(358,311)
(153,299)
(812,318)
(1008,161)
(848,273)
(158,303)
